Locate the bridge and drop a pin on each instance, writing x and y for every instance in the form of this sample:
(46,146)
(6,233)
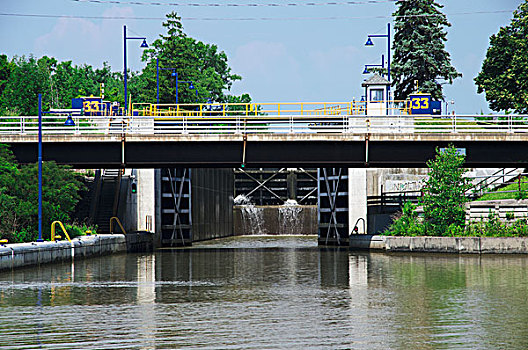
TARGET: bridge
(253,135)
(337,138)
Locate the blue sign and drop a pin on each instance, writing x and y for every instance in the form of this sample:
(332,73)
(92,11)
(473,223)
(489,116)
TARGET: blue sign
(420,104)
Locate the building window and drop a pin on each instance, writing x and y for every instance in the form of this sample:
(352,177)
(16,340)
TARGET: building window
(376,95)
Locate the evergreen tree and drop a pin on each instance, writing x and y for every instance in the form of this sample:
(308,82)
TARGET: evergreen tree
(419,49)
(503,76)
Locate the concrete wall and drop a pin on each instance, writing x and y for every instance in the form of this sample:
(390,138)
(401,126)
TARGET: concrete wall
(467,245)
(25,254)
(477,211)
(274,220)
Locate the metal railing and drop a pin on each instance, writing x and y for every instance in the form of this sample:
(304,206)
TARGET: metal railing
(267,124)
(116,219)
(63,230)
(268,108)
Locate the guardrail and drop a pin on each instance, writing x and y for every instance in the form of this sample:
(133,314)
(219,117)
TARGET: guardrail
(268,108)
(268,124)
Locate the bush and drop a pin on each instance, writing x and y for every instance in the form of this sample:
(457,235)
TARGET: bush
(406,223)
(19,197)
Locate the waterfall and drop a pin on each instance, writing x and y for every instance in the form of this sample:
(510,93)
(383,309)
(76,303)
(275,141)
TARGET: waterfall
(252,217)
(289,218)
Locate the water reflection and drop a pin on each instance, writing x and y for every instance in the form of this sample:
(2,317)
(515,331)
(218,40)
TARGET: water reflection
(268,293)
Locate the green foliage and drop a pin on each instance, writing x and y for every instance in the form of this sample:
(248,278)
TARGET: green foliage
(444,192)
(407,224)
(419,49)
(503,75)
(510,191)
(195,61)
(22,79)
(19,197)
(76,229)
(494,227)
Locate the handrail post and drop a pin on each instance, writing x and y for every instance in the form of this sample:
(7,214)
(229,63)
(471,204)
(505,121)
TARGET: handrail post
(116,219)
(63,229)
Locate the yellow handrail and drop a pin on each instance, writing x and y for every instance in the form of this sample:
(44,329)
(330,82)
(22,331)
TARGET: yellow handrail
(63,230)
(118,222)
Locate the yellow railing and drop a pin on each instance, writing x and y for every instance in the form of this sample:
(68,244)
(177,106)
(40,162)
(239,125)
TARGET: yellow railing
(63,230)
(267,108)
(116,219)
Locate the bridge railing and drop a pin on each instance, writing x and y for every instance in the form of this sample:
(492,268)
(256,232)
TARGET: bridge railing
(266,108)
(267,124)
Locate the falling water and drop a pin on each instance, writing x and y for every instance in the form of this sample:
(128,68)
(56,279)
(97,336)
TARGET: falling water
(252,217)
(289,217)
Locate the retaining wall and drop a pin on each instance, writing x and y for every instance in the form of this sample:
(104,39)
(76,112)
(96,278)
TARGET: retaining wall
(25,254)
(463,245)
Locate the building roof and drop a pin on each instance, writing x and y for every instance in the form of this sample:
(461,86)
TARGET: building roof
(376,79)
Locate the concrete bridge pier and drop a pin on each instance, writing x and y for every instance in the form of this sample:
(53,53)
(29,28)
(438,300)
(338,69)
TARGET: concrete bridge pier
(357,200)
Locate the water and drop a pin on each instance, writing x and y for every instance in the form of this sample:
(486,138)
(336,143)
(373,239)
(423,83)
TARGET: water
(289,217)
(252,216)
(263,292)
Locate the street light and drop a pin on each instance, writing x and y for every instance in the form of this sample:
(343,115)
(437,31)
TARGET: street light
(191,86)
(69,122)
(370,43)
(143,45)
(174,74)
(382,65)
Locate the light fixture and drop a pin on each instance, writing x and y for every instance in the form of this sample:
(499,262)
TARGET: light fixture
(144,43)
(69,121)
(369,42)
(191,86)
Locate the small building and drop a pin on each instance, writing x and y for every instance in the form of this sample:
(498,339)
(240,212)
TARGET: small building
(377,95)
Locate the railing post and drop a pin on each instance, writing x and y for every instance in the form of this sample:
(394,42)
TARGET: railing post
(184,125)
(454,122)
(510,121)
(291,124)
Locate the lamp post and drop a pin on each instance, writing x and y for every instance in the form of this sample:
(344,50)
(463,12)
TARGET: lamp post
(370,43)
(382,65)
(143,45)
(191,86)
(69,122)
(173,73)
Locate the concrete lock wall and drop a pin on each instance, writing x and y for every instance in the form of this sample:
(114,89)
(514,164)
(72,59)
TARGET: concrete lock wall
(276,219)
(25,254)
(36,253)
(424,244)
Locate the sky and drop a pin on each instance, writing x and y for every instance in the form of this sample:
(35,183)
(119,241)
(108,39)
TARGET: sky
(283,53)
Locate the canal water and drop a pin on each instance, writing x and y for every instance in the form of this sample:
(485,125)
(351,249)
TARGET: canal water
(268,293)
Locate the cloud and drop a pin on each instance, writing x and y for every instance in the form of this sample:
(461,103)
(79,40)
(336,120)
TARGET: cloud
(87,41)
(267,66)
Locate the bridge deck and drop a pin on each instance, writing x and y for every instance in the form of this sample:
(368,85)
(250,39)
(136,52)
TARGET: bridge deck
(264,141)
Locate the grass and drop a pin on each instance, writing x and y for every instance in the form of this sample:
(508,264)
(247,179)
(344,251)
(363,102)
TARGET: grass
(508,192)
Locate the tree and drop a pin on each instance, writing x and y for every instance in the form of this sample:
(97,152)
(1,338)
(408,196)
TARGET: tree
(419,49)
(503,75)
(195,61)
(19,197)
(444,192)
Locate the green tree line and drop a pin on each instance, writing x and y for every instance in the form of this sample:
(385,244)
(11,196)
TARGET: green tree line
(23,78)
(19,198)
